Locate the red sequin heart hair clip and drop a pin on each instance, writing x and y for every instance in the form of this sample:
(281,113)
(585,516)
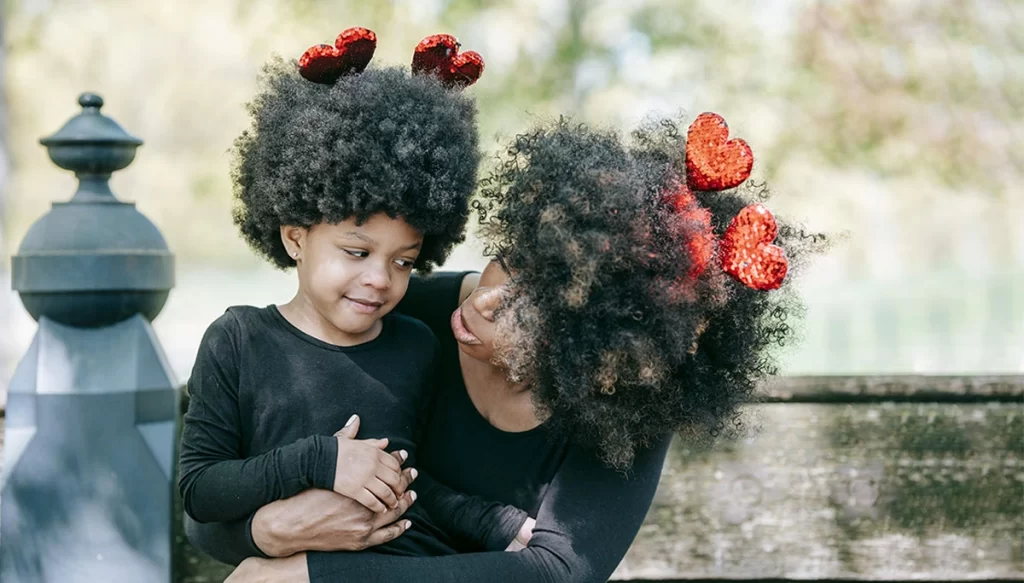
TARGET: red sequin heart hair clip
(438,54)
(747,250)
(714,162)
(701,246)
(350,54)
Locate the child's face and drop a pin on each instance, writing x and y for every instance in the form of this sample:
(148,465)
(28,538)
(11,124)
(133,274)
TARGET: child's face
(353,275)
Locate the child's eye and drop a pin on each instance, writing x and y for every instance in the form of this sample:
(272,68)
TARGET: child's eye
(357,253)
(405,263)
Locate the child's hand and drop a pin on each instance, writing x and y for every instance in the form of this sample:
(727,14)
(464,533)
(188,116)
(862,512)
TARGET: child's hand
(365,472)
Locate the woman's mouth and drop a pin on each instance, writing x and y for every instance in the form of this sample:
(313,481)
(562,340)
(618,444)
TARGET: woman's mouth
(461,332)
(363,306)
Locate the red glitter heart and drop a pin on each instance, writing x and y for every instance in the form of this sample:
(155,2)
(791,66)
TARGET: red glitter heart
(713,162)
(464,69)
(351,53)
(747,252)
(434,53)
(438,54)
(701,245)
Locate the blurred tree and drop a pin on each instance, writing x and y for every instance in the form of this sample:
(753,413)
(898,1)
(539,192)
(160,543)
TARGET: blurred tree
(891,88)
(913,87)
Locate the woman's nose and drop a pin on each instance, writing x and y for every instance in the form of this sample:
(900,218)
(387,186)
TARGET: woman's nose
(487,301)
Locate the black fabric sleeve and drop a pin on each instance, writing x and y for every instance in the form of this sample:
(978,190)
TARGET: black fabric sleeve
(228,542)
(586,523)
(431,299)
(216,484)
(470,521)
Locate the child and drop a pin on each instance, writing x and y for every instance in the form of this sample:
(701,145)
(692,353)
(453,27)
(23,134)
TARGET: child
(354,178)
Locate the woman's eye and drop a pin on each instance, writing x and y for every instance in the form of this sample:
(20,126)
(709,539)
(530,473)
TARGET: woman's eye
(357,253)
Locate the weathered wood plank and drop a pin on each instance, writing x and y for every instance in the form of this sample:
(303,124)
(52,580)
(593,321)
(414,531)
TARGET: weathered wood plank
(902,388)
(868,492)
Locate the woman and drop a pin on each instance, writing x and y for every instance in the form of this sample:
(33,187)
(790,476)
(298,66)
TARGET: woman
(597,332)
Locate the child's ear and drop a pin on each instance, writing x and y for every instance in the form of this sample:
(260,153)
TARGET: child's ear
(294,240)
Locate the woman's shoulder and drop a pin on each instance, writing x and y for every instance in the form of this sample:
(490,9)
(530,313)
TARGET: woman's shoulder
(431,299)
(438,288)
(411,330)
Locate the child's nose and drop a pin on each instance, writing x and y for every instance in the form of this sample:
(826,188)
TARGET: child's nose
(377,277)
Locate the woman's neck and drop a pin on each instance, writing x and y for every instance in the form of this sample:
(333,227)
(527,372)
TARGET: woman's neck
(484,374)
(506,406)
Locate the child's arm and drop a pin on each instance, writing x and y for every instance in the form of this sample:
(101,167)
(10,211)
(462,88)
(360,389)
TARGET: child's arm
(216,484)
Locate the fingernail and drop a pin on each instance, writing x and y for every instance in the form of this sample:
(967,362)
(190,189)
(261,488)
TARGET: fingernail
(351,420)
(408,523)
(414,473)
(412,495)
(404,454)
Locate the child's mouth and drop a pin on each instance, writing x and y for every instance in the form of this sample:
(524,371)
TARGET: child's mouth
(364,306)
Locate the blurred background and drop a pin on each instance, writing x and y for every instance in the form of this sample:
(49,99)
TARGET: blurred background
(898,126)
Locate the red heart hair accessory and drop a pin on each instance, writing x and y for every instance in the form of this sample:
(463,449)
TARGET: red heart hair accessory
(701,246)
(351,53)
(713,162)
(438,54)
(747,250)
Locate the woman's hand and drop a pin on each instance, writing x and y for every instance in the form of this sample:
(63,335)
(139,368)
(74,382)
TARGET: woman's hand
(321,520)
(253,570)
(365,472)
(523,536)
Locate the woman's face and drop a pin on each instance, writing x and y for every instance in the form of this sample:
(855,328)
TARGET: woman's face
(473,322)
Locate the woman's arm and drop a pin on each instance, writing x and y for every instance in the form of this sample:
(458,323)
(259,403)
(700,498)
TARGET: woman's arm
(587,521)
(472,522)
(327,521)
(228,542)
(216,484)
(312,520)
(431,299)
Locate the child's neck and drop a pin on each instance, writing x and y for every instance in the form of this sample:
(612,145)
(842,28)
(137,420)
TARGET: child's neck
(301,313)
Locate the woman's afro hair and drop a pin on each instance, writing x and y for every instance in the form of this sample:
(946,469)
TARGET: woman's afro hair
(382,141)
(619,345)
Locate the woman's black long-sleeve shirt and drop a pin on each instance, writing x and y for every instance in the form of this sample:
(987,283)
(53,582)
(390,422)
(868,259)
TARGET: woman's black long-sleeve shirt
(587,514)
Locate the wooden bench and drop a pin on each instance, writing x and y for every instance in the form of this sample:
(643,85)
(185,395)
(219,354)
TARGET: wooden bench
(852,478)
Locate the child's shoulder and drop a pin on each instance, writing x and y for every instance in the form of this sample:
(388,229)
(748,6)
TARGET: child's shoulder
(237,321)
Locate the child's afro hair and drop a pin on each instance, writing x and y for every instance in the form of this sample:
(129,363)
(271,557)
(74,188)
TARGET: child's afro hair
(619,346)
(382,141)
